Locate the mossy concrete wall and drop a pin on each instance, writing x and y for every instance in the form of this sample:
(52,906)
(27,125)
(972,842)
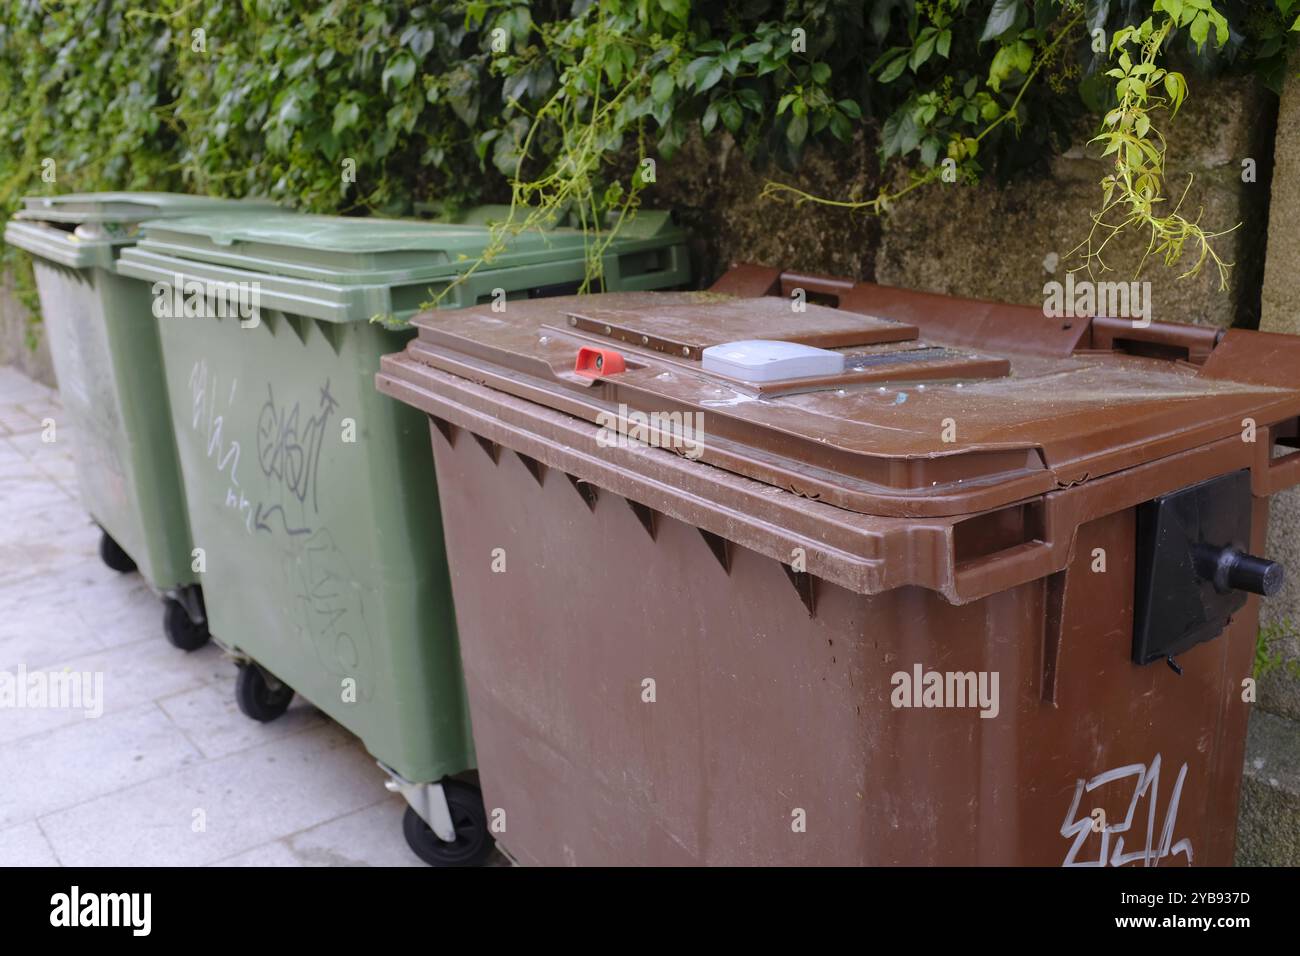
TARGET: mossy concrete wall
(714,191)
(17,333)
(1269,832)
(1005,244)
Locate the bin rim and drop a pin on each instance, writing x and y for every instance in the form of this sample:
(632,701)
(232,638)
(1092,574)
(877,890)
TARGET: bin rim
(373,250)
(125,207)
(63,247)
(864,553)
(343,302)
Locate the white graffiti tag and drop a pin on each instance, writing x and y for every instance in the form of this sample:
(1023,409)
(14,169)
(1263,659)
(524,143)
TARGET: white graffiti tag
(1145,782)
(210,426)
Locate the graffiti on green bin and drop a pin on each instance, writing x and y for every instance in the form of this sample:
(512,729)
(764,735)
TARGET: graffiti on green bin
(211,426)
(288,452)
(330,610)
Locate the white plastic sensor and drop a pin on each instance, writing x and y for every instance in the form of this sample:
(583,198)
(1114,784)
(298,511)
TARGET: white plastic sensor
(761,360)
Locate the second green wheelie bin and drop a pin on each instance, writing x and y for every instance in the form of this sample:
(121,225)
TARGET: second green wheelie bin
(106,356)
(309,493)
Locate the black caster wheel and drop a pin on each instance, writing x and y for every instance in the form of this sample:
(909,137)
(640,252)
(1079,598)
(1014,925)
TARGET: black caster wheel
(112,554)
(182,632)
(259,695)
(473,845)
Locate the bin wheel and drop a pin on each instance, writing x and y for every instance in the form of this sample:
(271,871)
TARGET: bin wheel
(112,554)
(472,845)
(260,696)
(181,631)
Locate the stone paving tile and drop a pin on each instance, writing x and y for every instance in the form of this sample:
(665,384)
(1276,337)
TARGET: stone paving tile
(211,720)
(16,387)
(25,845)
(368,837)
(122,789)
(141,671)
(83,760)
(268,854)
(215,809)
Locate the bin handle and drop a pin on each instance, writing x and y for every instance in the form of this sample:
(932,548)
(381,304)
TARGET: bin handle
(1165,339)
(1271,475)
(827,286)
(1002,570)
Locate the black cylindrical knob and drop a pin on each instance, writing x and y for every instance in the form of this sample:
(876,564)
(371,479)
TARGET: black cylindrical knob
(1233,570)
(1256,575)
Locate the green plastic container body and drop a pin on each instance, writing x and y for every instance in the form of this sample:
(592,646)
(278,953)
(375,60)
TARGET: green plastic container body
(312,495)
(106,355)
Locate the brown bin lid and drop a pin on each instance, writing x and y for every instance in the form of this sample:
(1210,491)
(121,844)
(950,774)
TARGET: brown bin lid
(919,424)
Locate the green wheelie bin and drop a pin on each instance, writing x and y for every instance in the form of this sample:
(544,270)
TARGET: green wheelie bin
(311,496)
(109,367)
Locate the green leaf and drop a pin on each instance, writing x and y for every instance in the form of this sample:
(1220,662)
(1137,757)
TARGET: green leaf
(346,115)
(841,128)
(850,108)
(731,113)
(662,86)
(900,135)
(894,69)
(709,78)
(679,9)
(922,52)
(1220,28)
(930,150)
(399,71)
(1001,19)
(1200,30)
(797,131)
(820,73)
(614,66)
(710,118)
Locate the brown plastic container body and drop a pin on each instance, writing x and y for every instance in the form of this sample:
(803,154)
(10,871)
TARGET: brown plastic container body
(771,628)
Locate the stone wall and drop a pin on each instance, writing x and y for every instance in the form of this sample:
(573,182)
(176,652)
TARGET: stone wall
(1270,820)
(16,332)
(992,243)
(714,190)
(984,241)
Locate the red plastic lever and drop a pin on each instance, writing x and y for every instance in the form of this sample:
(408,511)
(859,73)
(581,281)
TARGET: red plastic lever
(597,363)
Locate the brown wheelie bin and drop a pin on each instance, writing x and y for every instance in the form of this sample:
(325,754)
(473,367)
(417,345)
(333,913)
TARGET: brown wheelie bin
(802,571)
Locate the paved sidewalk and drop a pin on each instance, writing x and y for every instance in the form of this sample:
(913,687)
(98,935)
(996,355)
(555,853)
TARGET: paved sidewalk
(171,773)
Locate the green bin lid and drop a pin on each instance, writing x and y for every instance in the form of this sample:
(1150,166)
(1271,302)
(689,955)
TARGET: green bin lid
(126,207)
(347,250)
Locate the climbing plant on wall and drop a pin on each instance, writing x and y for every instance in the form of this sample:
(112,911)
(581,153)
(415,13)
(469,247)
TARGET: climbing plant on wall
(386,106)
